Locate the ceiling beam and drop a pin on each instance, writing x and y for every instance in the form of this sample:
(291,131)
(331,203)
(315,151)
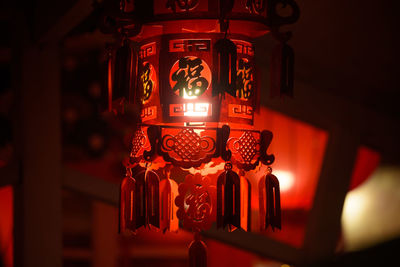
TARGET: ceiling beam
(69,18)
(258,244)
(324,219)
(37,194)
(324,110)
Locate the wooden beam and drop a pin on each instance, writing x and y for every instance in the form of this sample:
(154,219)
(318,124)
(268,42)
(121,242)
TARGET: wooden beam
(64,23)
(324,221)
(37,195)
(322,109)
(104,235)
(91,186)
(258,244)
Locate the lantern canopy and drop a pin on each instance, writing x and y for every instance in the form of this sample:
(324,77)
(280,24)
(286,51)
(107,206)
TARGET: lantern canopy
(189,67)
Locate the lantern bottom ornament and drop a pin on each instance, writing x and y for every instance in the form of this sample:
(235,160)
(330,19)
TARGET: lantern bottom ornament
(212,163)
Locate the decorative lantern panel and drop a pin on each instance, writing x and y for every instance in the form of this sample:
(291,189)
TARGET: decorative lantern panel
(184,88)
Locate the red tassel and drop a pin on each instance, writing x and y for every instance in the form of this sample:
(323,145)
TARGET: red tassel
(282,70)
(228,200)
(262,201)
(152,199)
(225,78)
(168,191)
(245,204)
(273,216)
(121,77)
(270,202)
(139,200)
(128,204)
(197,252)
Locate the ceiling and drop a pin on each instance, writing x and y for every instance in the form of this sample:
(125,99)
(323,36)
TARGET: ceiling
(351,50)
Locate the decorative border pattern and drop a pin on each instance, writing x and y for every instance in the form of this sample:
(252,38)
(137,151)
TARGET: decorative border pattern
(188,147)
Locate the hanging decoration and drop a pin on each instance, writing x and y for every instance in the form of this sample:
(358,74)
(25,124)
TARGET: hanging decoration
(189,67)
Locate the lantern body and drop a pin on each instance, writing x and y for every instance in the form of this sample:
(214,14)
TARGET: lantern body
(189,67)
(178,94)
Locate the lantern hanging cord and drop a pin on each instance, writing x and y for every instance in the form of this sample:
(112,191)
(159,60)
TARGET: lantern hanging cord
(269,170)
(147,167)
(123,36)
(224,26)
(196,234)
(228,166)
(225,7)
(128,172)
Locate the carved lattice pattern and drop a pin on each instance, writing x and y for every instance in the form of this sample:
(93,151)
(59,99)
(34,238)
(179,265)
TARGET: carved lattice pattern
(187,144)
(138,142)
(247,146)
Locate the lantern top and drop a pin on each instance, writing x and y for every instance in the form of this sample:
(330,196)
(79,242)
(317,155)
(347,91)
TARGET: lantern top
(148,18)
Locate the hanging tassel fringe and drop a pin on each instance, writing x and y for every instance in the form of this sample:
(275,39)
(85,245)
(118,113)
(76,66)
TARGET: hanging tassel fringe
(121,77)
(225,78)
(270,202)
(233,201)
(228,200)
(139,200)
(245,204)
(168,192)
(153,199)
(282,70)
(127,202)
(197,252)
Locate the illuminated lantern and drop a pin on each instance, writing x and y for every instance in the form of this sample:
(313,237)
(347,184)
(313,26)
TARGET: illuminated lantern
(189,66)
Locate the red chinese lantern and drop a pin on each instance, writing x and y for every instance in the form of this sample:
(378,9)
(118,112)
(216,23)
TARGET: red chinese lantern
(189,66)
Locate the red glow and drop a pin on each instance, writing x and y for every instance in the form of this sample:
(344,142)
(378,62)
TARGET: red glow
(286,179)
(6,226)
(299,150)
(190,110)
(366,162)
(222,255)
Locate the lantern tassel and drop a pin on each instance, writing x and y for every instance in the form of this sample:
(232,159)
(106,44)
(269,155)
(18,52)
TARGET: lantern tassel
(139,199)
(273,205)
(127,203)
(168,192)
(225,78)
(245,203)
(123,77)
(270,202)
(228,199)
(152,199)
(282,70)
(197,252)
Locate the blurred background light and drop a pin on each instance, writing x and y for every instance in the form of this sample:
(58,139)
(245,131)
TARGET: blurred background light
(371,212)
